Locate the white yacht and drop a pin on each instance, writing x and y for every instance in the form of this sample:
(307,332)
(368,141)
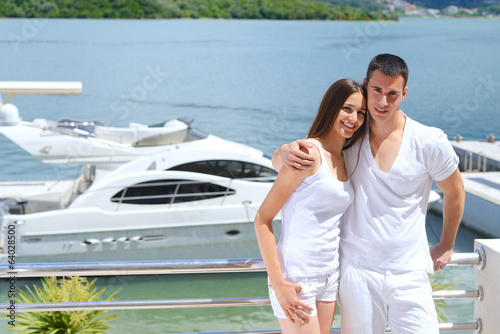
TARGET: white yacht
(182,203)
(70,141)
(158,192)
(91,142)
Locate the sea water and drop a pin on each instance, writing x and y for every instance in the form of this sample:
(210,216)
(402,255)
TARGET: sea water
(255,82)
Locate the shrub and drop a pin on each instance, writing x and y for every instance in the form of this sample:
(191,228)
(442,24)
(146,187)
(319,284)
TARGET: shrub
(438,282)
(66,289)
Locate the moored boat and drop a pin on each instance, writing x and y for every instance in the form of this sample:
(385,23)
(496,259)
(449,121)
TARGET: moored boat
(179,204)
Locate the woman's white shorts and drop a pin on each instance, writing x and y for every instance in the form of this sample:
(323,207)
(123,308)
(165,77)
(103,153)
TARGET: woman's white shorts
(323,288)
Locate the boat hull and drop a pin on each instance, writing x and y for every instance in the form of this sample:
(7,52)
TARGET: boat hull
(180,235)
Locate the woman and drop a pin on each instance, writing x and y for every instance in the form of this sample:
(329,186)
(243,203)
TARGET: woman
(303,267)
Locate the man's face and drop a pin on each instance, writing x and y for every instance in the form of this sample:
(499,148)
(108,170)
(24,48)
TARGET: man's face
(384,94)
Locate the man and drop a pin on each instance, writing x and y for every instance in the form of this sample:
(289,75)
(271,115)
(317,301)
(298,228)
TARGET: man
(385,256)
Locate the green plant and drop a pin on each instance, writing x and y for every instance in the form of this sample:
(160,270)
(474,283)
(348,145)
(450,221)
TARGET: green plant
(65,289)
(439,282)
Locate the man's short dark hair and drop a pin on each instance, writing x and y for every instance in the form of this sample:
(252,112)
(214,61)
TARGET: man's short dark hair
(389,65)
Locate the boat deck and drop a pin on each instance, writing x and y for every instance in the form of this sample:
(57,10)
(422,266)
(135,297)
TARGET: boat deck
(35,196)
(34,189)
(470,151)
(482,203)
(484,185)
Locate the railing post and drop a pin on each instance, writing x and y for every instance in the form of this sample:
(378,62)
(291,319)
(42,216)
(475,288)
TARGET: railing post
(487,278)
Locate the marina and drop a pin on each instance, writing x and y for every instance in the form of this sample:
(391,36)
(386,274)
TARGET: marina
(257,83)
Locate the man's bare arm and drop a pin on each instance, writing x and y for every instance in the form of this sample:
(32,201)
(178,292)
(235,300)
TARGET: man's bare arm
(453,208)
(293,156)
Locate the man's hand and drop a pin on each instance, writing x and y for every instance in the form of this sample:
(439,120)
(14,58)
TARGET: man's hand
(294,155)
(440,255)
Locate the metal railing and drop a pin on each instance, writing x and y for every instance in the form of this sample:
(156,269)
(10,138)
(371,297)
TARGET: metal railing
(192,267)
(481,168)
(469,161)
(173,267)
(133,268)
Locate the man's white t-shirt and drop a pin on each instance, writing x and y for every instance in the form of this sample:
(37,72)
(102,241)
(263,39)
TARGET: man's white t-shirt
(385,224)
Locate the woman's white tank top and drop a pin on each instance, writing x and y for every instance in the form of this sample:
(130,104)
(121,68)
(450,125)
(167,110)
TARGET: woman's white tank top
(309,242)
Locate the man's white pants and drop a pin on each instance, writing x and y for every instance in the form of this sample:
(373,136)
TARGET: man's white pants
(371,297)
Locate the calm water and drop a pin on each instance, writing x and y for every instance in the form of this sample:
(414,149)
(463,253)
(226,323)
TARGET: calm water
(256,82)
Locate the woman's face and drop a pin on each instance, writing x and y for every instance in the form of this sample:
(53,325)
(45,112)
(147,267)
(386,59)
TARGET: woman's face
(351,116)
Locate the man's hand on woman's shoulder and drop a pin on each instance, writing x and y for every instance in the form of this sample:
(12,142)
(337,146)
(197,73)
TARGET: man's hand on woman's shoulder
(294,155)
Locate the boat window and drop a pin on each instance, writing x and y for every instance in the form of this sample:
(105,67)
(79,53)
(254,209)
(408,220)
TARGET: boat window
(170,191)
(196,191)
(230,168)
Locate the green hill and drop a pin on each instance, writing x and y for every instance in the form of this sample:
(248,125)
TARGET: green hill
(231,9)
(370,5)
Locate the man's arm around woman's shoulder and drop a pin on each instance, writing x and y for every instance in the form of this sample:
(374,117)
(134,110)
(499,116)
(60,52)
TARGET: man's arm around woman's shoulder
(294,155)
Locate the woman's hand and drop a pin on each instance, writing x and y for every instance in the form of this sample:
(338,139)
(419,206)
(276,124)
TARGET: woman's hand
(286,293)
